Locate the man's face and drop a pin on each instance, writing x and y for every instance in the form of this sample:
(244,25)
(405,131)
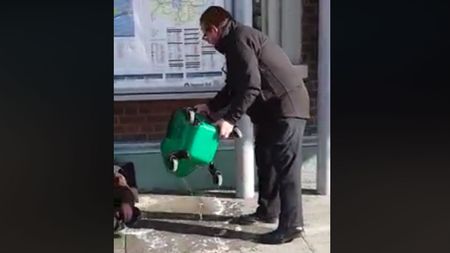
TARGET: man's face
(211,35)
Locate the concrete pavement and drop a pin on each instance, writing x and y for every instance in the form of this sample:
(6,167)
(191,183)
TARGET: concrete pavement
(201,224)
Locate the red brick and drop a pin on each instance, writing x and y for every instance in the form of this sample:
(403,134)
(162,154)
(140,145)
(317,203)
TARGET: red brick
(118,110)
(131,119)
(131,110)
(157,118)
(309,2)
(160,127)
(157,110)
(143,109)
(118,130)
(147,128)
(309,55)
(155,136)
(130,137)
(131,129)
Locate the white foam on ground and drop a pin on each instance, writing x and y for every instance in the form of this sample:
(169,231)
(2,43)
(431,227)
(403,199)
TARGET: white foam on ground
(221,246)
(202,245)
(152,241)
(138,232)
(317,230)
(218,206)
(146,201)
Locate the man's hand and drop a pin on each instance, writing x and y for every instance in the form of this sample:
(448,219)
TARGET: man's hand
(225,128)
(202,109)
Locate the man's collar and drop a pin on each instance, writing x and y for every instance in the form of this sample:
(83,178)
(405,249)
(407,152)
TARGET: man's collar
(225,34)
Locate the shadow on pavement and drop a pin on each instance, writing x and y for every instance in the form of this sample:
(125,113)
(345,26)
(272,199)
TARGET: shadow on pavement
(196,229)
(184,216)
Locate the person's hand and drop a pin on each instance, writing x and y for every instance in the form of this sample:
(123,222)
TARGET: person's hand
(120,179)
(127,212)
(202,109)
(225,128)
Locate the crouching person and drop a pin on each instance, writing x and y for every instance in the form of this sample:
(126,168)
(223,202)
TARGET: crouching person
(125,213)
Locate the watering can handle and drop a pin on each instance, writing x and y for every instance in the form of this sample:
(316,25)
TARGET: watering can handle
(236,133)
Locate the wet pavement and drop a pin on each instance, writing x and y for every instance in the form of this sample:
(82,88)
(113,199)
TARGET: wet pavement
(201,224)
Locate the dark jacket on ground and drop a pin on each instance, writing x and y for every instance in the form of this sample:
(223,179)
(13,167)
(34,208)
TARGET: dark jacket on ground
(260,81)
(122,194)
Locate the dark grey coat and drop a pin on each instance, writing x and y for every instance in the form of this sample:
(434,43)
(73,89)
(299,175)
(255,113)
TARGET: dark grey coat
(260,80)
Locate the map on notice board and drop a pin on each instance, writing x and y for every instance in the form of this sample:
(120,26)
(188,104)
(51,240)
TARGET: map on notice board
(158,44)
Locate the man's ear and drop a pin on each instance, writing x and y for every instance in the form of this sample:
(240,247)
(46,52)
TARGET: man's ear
(214,29)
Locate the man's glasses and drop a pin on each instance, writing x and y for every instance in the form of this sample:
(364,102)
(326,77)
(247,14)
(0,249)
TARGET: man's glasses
(224,70)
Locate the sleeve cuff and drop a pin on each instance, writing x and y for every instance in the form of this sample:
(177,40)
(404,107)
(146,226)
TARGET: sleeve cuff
(232,120)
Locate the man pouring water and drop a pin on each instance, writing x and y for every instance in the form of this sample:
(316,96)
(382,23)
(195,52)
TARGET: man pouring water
(261,82)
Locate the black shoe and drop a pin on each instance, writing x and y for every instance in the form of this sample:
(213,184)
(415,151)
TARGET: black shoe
(280,236)
(253,218)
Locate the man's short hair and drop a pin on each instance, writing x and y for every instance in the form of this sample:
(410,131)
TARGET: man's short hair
(214,16)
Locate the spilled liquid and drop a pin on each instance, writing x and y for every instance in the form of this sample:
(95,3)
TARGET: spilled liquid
(201,204)
(188,187)
(200,213)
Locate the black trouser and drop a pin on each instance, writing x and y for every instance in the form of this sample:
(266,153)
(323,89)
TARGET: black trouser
(278,156)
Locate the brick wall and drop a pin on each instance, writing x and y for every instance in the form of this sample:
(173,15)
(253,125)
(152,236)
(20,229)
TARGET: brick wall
(147,120)
(309,56)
